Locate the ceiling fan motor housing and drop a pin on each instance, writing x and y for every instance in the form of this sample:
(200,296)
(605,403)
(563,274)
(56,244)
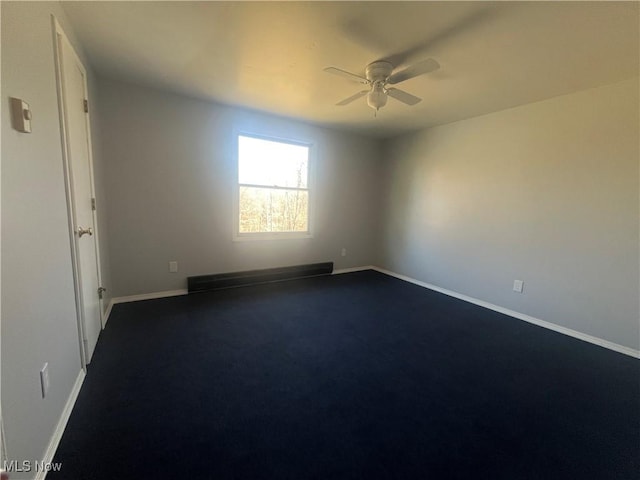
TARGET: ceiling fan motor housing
(378,71)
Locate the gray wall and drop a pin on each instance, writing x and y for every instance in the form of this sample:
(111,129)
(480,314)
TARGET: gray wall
(546,193)
(170,182)
(38,306)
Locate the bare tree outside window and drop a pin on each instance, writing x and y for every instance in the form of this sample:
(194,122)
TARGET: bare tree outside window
(273,186)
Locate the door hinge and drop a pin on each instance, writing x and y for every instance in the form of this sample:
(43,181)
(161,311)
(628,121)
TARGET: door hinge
(101,290)
(85,103)
(93,204)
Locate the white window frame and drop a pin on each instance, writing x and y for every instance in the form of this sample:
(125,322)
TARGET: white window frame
(251,236)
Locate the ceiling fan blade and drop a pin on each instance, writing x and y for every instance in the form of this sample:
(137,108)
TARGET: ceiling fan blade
(467,25)
(403,96)
(420,68)
(347,101)
(360,32)
(345,74)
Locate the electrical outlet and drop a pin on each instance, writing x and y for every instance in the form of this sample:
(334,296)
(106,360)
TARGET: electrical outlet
(518,286)
(173,267)
(44,379)
(344,252)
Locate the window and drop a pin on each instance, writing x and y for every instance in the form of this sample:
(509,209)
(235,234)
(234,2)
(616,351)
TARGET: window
(273,188)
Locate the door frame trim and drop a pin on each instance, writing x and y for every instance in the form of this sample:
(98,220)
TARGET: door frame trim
(60,36)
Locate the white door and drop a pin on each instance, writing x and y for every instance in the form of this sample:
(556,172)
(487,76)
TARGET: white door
(77,139)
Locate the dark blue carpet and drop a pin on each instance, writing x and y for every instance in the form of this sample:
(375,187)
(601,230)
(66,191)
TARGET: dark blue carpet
(346,377)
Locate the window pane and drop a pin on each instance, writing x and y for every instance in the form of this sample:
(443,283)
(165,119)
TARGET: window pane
(273,210)
(273,164)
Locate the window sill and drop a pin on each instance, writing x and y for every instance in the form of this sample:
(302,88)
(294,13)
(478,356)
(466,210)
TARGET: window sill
(251,237)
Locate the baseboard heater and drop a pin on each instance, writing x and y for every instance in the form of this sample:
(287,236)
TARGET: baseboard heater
(205,283)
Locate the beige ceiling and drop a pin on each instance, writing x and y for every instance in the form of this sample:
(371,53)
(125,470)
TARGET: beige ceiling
(269,56)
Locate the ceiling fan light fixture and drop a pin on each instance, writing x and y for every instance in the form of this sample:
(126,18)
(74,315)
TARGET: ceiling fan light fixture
(377,97)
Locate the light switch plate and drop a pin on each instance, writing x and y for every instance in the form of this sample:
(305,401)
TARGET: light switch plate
(21,115)
(173,266)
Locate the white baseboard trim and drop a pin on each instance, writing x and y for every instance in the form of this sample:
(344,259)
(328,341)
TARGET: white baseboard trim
(520,316)
(107,313)
(352,269)
(149,296)
(136,298)
(62,424)
(512,313)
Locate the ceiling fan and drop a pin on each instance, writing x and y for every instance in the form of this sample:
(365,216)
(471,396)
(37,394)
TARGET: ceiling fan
(378,77)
